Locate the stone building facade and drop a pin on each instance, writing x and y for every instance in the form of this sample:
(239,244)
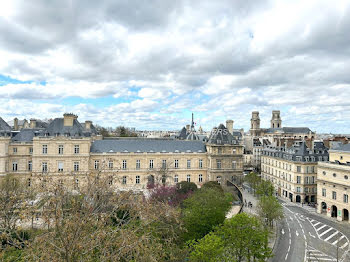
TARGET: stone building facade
(67,152)
(333,184)
(293,170)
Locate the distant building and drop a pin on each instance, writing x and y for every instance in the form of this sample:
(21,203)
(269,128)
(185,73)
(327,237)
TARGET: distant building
(333,184)
(293,170)
(66,152)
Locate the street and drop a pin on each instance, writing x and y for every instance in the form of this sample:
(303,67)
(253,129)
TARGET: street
(307,236)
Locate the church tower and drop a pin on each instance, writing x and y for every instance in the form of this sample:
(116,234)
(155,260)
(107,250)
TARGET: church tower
(255,124)
(276,121)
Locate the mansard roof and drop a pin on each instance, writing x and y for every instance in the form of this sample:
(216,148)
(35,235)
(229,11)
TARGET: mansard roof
(4,127)
(342,148)
(221,136)
(140,145)
(26,135)
(57,128)
(289,130)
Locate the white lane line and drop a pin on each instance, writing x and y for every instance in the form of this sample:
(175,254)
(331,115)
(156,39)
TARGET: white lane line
(328,238)
(318,229)
(343,246)
(325,232)
(311,235)
(339,239)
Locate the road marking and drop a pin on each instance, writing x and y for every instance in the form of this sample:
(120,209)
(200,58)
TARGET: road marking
(328,238)
(335,242)
(343,246)
(318,229)
(296,232)
(316,224)
(325,232)
(311,235)
(282,231)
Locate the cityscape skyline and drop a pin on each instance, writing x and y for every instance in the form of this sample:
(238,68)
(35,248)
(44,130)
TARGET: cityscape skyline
(153,67)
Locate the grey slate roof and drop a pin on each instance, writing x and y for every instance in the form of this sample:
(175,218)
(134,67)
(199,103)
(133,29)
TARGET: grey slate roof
(26,135)
(289,130)
(342,148)
(57,128)
(147,145)
(183,133)
(192,136)
(222,136)
(4,126)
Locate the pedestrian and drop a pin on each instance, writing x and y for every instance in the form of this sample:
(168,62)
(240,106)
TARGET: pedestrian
(302,204)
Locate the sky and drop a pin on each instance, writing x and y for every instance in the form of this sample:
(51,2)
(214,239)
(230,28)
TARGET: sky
(149,64)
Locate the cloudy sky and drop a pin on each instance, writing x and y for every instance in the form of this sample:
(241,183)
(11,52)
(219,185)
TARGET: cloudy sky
(149,64)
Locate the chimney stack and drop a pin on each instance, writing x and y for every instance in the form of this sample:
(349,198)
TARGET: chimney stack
(188,128)
(229,126)
(88,124)
(32,123)
(15,124)
(68,119)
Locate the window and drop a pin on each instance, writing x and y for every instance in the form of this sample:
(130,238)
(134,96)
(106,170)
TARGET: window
(200,163)
(164,164)
(307,180)
(334,174)
(218,179)
(233,151)
(234,164)
(298,179)
(76,166)
(30,150)
(151,164)
(97,164)
(188,178)
(30,165)
(110,164)
(60,149)
(312,180)
(219,150)
(346,177)
(44,149)
(346,198)
(218,164)
(29,182)
(138,164)
(44,167)
(137,179)
(334,195)
(60,166)
(124,164)
(110,180)
(124,180)
(188,164)
(306,190)
(298,189)
(76,149)
(176,163)
(15,150)
(200,178)
(76,183)
(324,173)
(176,179)
(298,169)
(14,166)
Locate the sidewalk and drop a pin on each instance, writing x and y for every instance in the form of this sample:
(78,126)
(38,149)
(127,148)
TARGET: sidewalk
(249,197)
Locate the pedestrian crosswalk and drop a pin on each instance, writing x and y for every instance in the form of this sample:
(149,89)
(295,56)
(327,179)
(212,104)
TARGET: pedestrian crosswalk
(306,207)
(313,254)
(330,234)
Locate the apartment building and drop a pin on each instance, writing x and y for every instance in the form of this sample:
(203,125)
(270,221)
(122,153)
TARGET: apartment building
(293,170)
(333,184)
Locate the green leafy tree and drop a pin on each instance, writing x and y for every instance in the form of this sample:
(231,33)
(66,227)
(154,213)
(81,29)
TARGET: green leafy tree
(241,238)
(265,188)
(212,184)
(270,209)
(253,180)
(210,248)
(184,187)
(204,210)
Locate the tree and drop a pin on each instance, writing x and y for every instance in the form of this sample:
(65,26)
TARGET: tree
(265,188)
(253,180)
(214,185)
(210,248)
(184,187)
(270,209)
(15,199)
(204,210)
(241,238)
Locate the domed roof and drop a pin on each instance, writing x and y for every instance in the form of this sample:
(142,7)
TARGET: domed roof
(192,136)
